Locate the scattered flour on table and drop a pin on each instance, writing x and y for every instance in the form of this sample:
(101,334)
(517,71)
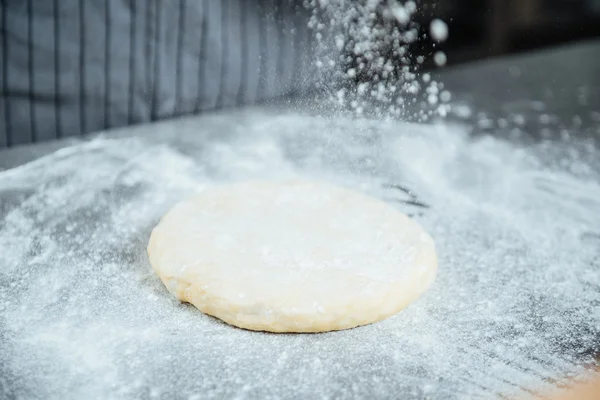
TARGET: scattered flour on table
(515,304)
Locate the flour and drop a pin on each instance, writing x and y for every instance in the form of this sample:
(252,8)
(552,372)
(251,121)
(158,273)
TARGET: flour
(438,30)
(514,307)
(375,70)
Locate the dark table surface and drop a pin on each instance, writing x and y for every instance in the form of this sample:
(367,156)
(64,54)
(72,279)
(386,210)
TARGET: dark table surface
(561,84)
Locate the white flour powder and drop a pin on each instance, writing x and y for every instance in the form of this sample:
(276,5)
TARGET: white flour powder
(515,304)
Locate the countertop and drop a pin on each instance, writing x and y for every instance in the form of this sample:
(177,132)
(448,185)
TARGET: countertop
(511,188)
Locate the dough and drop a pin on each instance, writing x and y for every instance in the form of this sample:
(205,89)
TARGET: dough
(292,256)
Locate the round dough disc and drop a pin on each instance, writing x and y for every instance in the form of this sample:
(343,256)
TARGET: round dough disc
(293,256)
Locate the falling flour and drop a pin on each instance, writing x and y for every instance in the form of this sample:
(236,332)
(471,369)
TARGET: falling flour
(376,69)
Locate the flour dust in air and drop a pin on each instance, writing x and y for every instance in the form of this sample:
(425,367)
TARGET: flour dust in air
(370,60)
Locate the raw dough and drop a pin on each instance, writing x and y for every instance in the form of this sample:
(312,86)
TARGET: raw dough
(293,256)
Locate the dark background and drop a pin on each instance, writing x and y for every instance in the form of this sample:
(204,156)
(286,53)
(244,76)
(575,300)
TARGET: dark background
(485,28)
